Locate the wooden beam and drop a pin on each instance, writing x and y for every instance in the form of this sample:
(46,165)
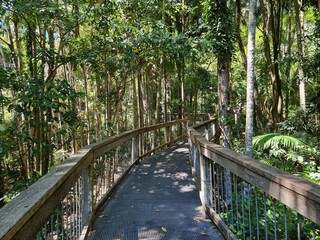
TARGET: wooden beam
(28,212)
(298,194)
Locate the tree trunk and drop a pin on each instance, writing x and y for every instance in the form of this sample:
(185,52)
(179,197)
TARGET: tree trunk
(299,28)
(288,54)
(135,103)
(12,45)
(224,67)
(2,185)
(258,116)
(271,15)
(86,101)
(275,20)
(238,34)
(19,60)
(223,94)
(250,78)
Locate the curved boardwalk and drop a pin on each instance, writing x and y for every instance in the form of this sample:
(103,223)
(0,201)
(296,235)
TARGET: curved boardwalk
(158,200)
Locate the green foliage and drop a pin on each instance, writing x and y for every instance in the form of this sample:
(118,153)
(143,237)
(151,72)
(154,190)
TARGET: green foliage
(303,124)
(220,27)
(289,154)
(277,141)
(266,213)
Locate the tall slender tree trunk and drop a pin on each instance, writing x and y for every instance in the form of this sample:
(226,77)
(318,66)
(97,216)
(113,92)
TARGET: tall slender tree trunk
(223,92)
(135,103)
(2,185)
(288,54)
(250,78)
(86,101)
(258,116)
(224,67)
(275,9)
(18,44)
(238,33)
(271,20)
(299,28)
(75,137)
(136,117)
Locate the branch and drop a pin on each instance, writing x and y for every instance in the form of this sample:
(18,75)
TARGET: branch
(9,45)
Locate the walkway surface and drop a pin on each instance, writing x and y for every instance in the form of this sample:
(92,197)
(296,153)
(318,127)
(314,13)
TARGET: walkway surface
(158,200)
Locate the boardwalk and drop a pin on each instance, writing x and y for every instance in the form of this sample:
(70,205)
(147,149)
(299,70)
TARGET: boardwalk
(158,200)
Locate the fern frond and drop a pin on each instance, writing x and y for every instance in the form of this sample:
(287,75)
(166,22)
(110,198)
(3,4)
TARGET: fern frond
(276,140)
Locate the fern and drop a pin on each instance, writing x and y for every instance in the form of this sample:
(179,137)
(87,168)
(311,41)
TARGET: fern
(288,153)
(277,141)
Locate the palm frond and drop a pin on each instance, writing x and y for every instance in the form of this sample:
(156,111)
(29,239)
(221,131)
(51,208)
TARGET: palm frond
(276,140)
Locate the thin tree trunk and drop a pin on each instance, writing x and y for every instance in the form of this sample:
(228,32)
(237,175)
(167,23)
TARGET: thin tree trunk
(238,34)
(267,53)
(224,67)
(271,16)
(2,185)
(223,92)
(20,62)
(299,28)
(140,99)
(11,40)
(288,54)
(275,19)
(135,103)
(250,78)
(257,105)
(75,143)
(86,101)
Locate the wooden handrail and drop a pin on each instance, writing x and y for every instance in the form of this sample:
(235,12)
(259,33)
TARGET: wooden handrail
(298,194)
(22,217)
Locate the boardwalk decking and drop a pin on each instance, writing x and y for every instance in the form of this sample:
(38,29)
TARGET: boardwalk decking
(158,200)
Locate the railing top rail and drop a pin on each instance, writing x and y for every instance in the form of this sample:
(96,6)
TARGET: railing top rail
(42,196)
(205,123)
(298,194)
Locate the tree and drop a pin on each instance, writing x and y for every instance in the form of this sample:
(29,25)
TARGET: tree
(250,78)
(221,33)
(300,36)
(271,13)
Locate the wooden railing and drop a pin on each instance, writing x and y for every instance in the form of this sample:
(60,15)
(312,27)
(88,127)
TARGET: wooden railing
(62,204)
(248,199)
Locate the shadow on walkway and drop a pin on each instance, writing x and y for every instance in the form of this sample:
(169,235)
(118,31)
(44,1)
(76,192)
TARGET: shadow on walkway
(158,200)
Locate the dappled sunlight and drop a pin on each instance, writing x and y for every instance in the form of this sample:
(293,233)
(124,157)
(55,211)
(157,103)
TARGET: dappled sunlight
(181,175)
(181,150)
(160,164)
(188,188)
(146,165)
(159,200)
(159,171)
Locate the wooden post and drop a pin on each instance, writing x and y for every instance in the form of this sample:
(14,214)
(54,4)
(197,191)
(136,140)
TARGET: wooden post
(211,132)
(135,149)
(86,196)
(205,184)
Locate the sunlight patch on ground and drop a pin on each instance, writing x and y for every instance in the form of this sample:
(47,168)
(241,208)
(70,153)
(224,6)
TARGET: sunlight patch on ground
(181,150)
(146,165)
(188,188)
(159,171)
(180,176)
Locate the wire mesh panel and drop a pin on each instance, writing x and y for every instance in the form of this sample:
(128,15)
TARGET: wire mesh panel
(108,168)
(66,222)
(245,209)
(60,204)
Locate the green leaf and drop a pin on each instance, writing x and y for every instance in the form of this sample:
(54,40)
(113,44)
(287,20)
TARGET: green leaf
(276,140)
